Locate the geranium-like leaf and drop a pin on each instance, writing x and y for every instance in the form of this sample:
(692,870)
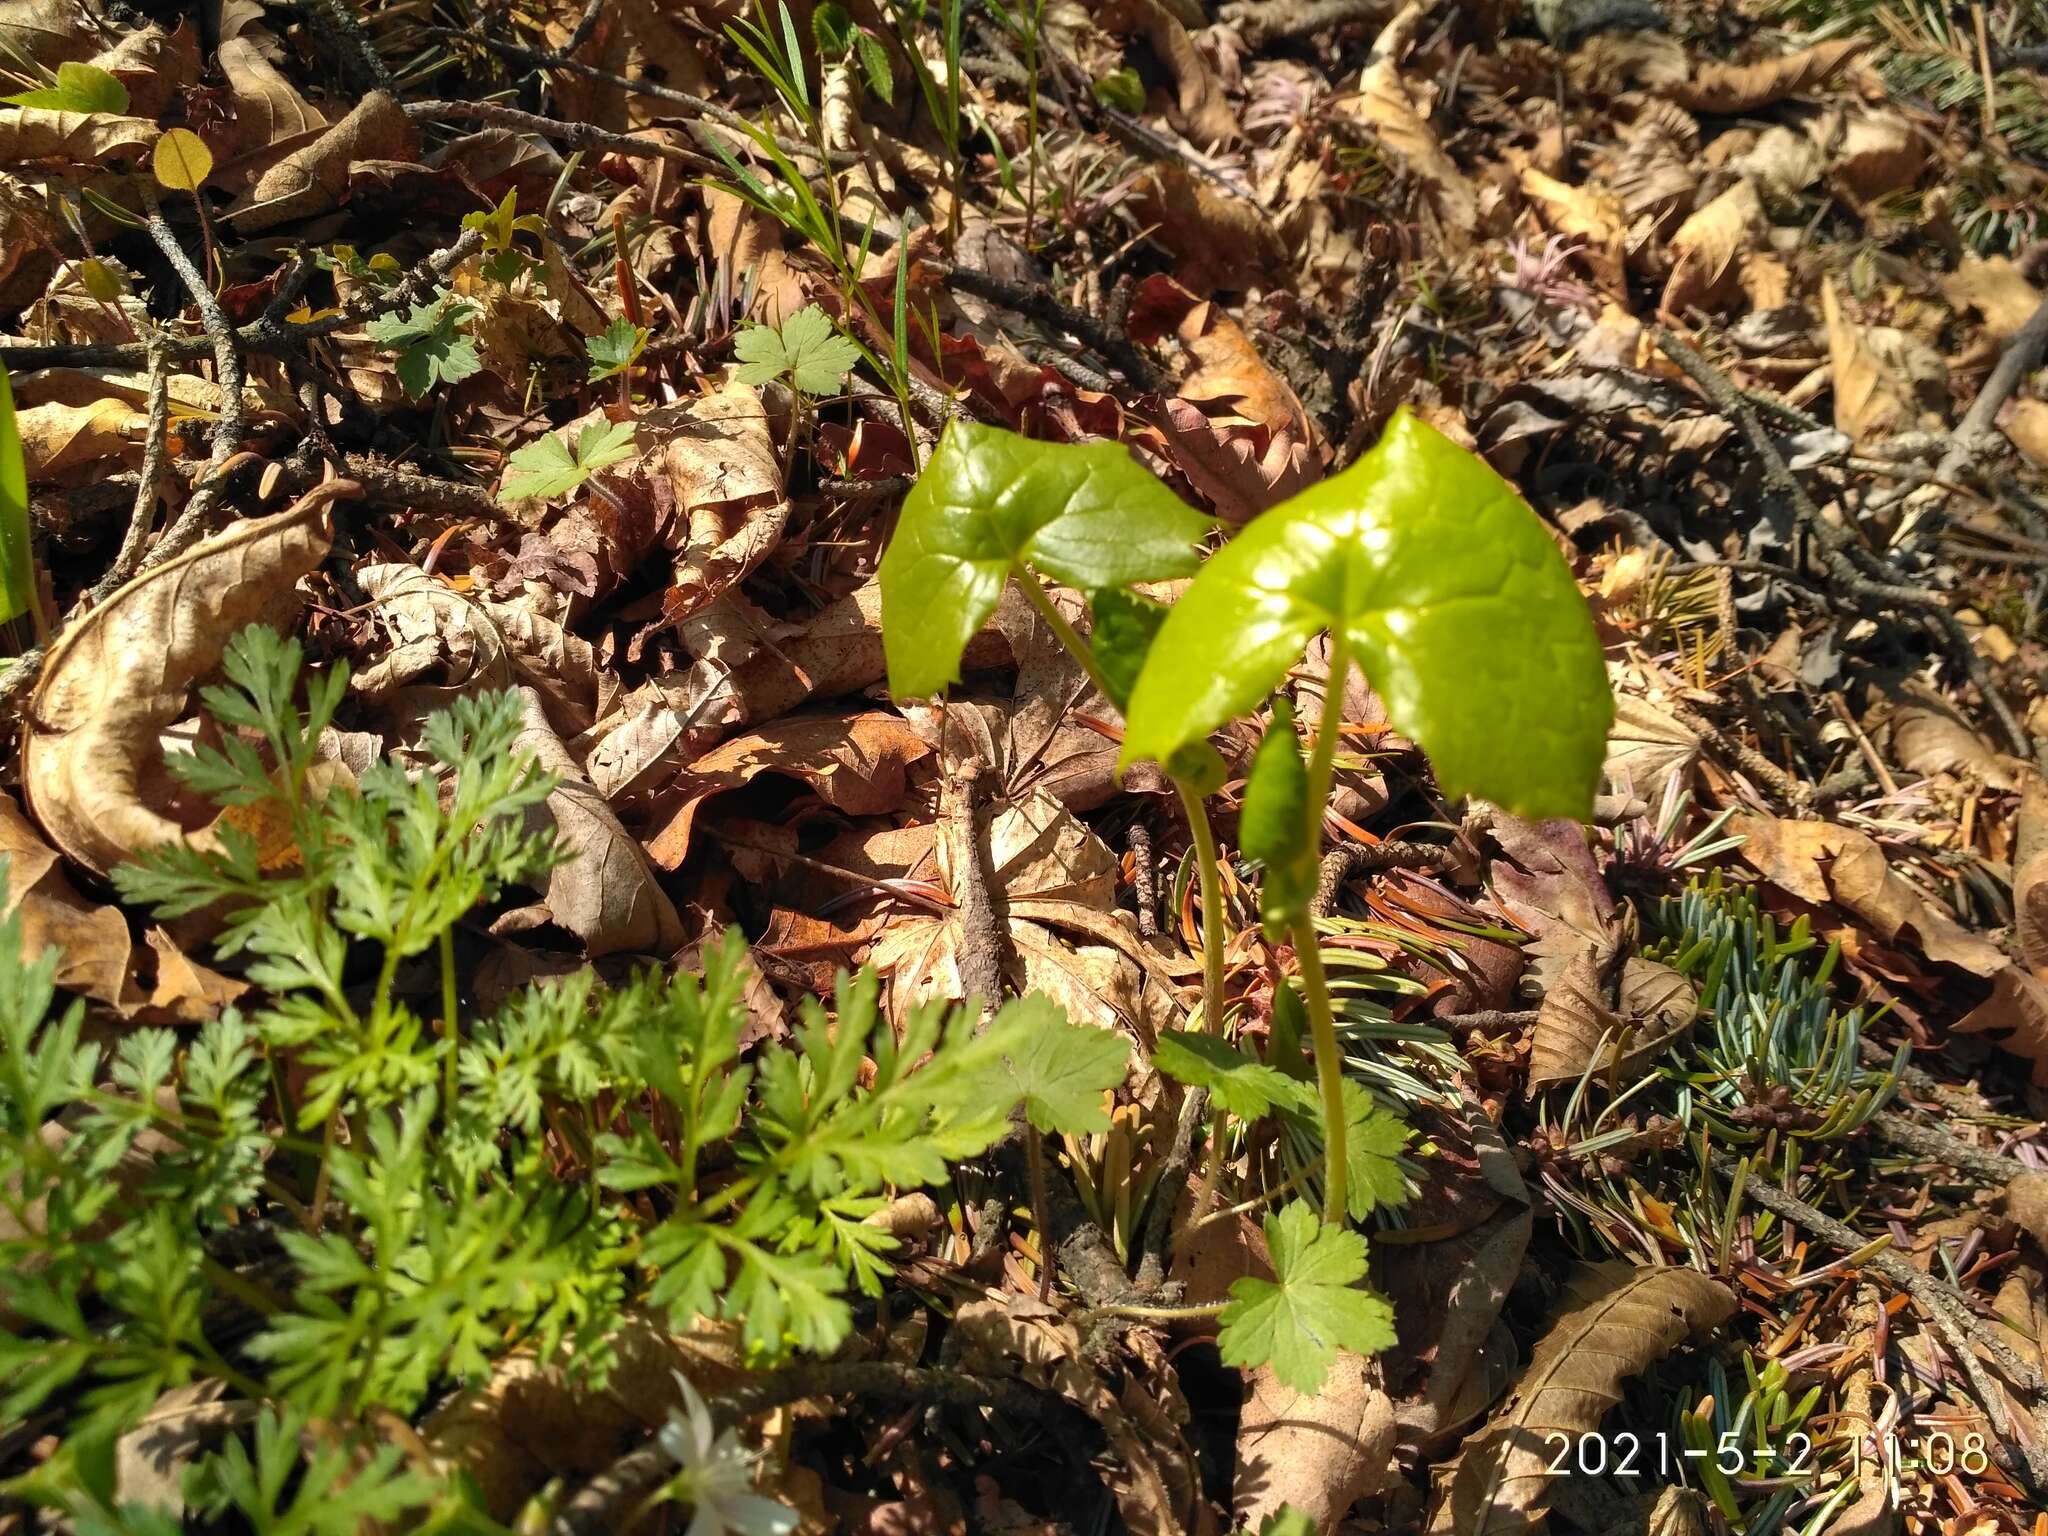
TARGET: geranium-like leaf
(991,503)
(1311,1308)
(1238,1084)
(1453,599)
(1059,1069)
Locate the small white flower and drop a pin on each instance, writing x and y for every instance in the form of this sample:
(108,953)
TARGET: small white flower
(717,1475)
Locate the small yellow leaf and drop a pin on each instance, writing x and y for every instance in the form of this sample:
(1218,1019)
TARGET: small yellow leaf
(183,162)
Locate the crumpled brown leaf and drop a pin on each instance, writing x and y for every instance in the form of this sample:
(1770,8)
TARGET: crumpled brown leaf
(1204,111)
(1725,89)
(1216,240)
(271,117)
(1615,1322)
(1996,288)
(1929,738)
(1318,1451)
(1551,885)
(721,462)
(1707,243)
(2015,1015)
(855,765)
(72,139)
(116,678)
(1151,1472)
(1396,111)
(56,437)
(315,178)
(91,940)
(1576,1030)
(1820,862)
(1870,400)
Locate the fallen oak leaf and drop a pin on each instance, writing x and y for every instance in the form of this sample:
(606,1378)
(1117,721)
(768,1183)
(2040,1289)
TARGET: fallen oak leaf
(1618,1323)
(113,680)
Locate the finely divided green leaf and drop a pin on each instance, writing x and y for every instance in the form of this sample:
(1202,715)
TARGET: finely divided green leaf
(1454,599)
(991,503)
(1299,1320)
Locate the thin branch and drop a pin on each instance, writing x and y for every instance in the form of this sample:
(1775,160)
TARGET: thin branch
(575,135)
(129,557)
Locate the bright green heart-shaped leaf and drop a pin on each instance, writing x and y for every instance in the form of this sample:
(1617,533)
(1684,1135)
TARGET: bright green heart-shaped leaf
(1452,597)
(1311,1309)
(991,503)
(17,571)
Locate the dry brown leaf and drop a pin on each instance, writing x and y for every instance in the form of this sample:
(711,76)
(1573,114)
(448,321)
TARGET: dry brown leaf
(1996,289)
(271,117)
(72,139)
(158,67)
(1878,153)
(856,765)
(1869,399)
(1399,116)
(1929,738)
(1229,371)
(51,32)
(1706,245)
(2026,1202)
(1726,89)
(721,463)
(1619,1322)
(121,674)
(1204,112)
(2026,423)
(1216,240)
(57,437)
(94,952)
(1645,746)
(181,1427)
(1239,470)
(314,178)
(606,894)
(1550,885)
(1820,862)
(187,992)
(1576,1030)
(1318,1451)
(1149,1469)
(2030,913)
(1591,214)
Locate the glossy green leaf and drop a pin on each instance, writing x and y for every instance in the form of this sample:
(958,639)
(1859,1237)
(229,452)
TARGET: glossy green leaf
(1125,625)
(990,504)
(1238,1084)
(1059,1069)
(17,569)
(1454,600)
(1311,1309)
(79,88)
(1274,825)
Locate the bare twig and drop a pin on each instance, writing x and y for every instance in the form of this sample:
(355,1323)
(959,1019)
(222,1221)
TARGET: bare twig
(1353,859)
(575,135)
(231,427)
(1039,304)
(129,557)
(1936,1145)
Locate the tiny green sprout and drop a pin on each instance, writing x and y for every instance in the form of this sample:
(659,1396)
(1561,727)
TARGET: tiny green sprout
(503,261)
(547,470)
(616,351)
(430,343)
(806,349)
(1122,90)
(79,88)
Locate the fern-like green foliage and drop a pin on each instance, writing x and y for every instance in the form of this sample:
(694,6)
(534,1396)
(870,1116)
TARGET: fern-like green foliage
(345,1205)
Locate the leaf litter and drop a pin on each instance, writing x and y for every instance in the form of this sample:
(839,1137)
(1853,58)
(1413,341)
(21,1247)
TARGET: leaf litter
(595,357)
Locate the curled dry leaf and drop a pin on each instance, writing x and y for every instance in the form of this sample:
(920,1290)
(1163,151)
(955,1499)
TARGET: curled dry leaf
(271,117)
(91,940)
(727,478)
(1150,1469)
(606,893)
(1399,115)
(1590,214)
(1576,1031)
(1877,153)
(122,673)
(1645,746)
(1203,110)
(314,179)
(1216,240)
(1706,245)
(1725,89)
(1618,1322)
(57,437)
(1929,738)
(1870,399)
(44,135)
(1318,1451)
(1996,288)
(1820,862)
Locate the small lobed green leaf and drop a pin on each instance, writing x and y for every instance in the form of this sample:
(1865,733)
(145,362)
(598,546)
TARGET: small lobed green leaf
(1059,1069)
(1453,598)
(1238,1084)
(991,503)
(1312,1308)
(616,350)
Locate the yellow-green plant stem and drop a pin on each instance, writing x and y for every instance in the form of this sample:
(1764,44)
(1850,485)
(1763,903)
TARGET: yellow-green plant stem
(1204,841)
(1315,987)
